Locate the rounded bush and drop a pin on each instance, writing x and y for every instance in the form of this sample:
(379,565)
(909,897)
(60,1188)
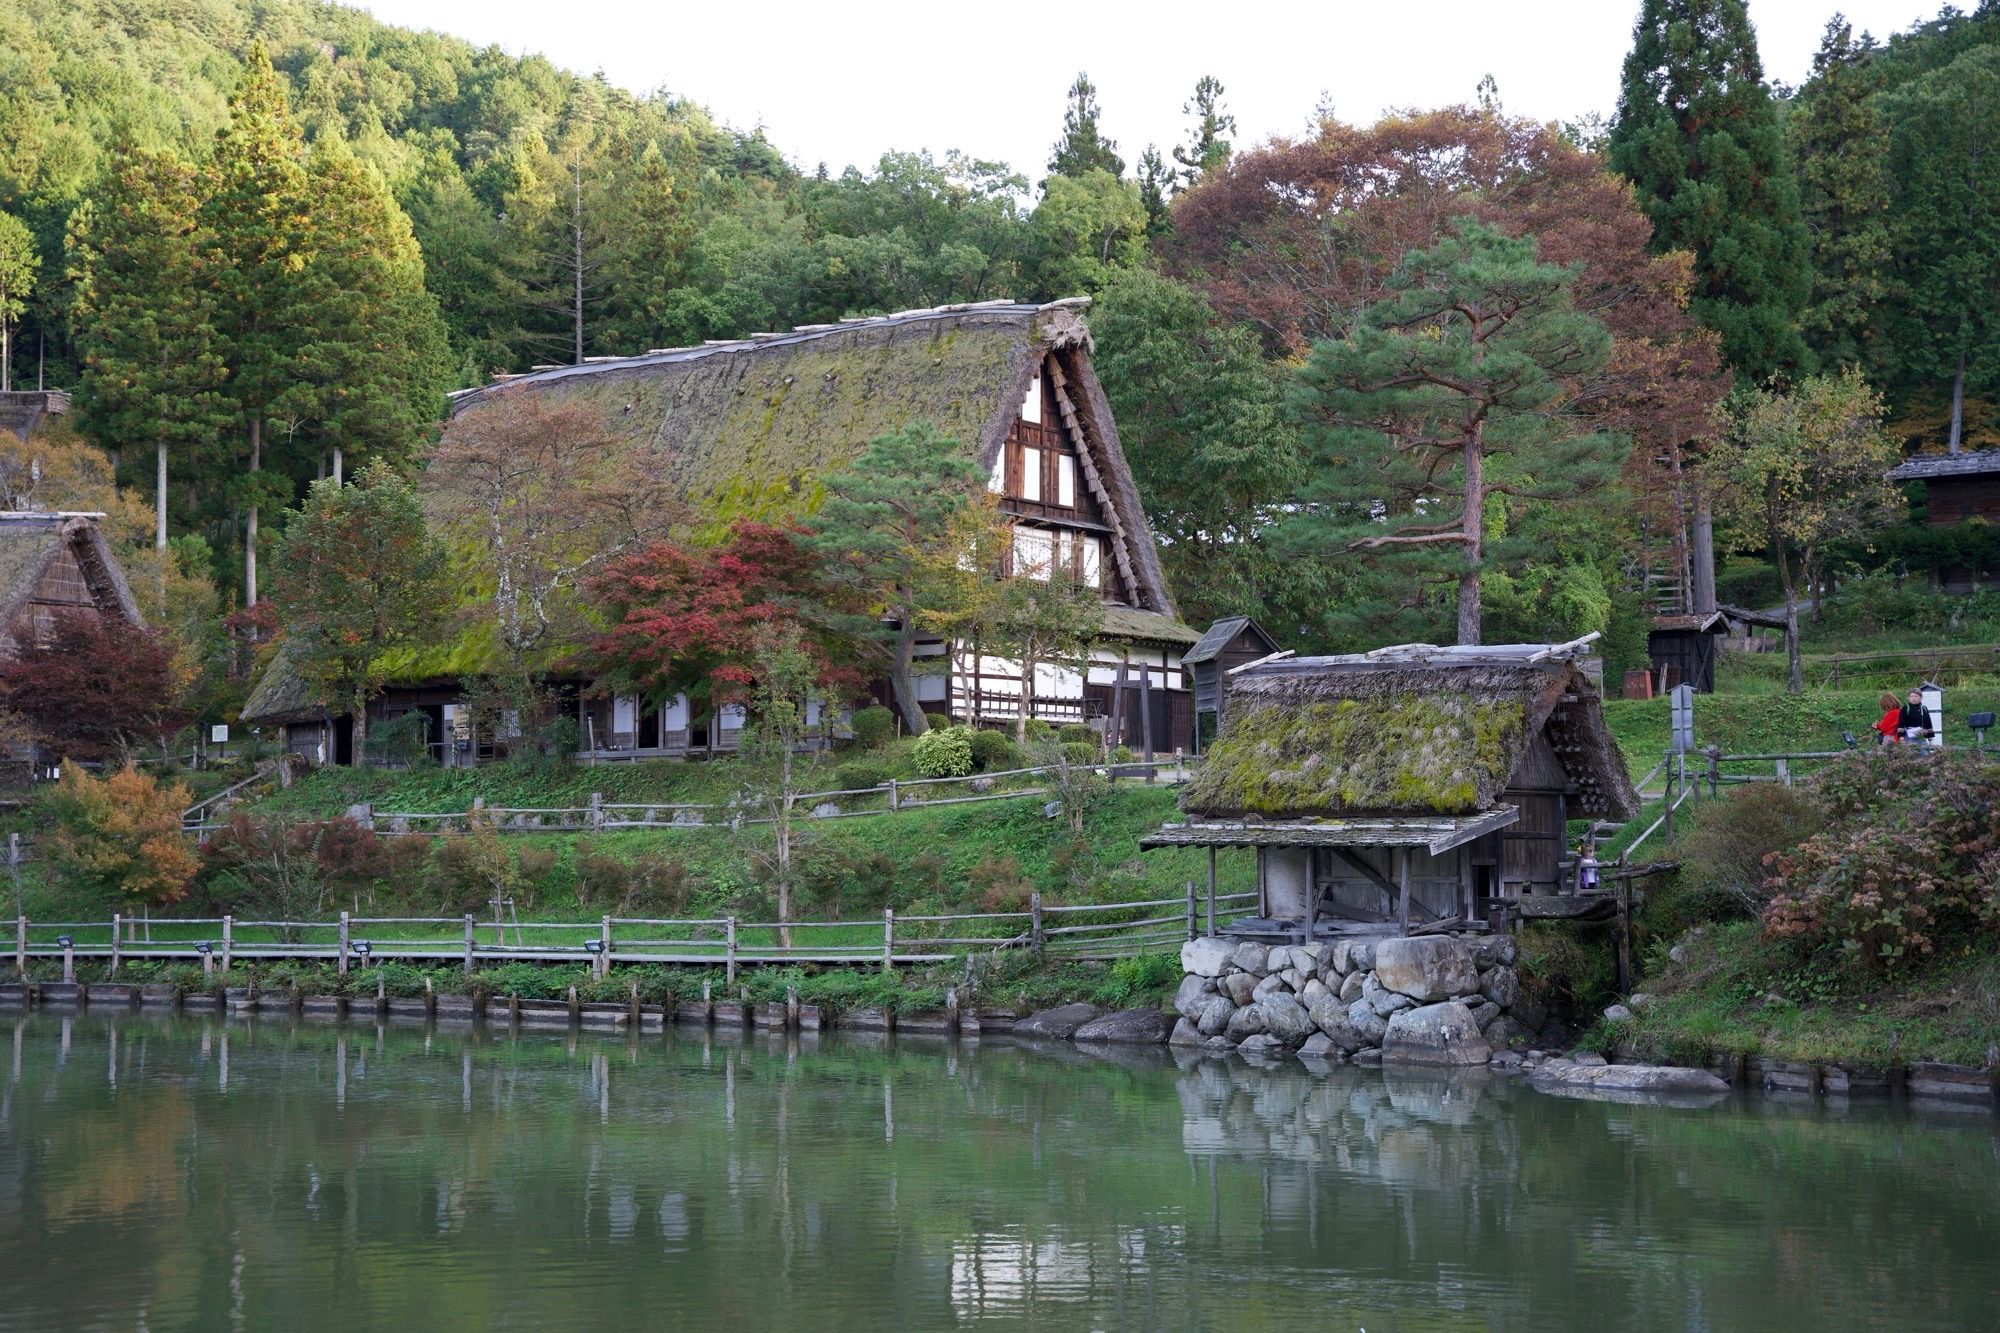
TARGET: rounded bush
(993,752)
(945,753)
(873,727)
(1038,730)
(1071,733)
(856,774)
(937,721)
(1077,752)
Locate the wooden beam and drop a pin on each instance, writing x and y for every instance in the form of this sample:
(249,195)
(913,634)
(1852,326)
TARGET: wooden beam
(1403,885)
(1373,875)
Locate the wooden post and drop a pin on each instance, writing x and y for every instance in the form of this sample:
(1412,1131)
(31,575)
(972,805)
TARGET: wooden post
(1403,890)
(69,960)
(1624,927)
(14,866)
(469,942)
(340,965)
(730,954)
(1035,924)
(792,1007)
(1670,802)
(116,939)
(1785,772)
(951,1008)
(228,939)
(1190,909)
(1211,893)
(633,1007)
(597,812)
(888,939)
(381,993)
(21,945)
(1146,716)
(430,999)
(604,948)
(1715,770)
(892,793)
(575,1007)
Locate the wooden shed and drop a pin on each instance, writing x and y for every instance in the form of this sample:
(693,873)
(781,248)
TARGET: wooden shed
(1958,488)
(1416,785)
(1684,650)
(1231,642)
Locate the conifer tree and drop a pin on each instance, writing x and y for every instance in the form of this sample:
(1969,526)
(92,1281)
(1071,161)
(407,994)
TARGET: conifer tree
(254,242)
(144,322)
(1082,149)
(1697,133)
(1208,146)
(1840,146)
(1156,180)
(372,359)
(17,282)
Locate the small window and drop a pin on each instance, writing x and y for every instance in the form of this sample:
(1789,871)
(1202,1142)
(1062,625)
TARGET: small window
(1031,474)
(1031,406)
(1034,552)
(1093,562)
(1065,481)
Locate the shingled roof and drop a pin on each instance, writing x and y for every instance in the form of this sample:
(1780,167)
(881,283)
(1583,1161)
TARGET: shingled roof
(1413,731)
(1926,466)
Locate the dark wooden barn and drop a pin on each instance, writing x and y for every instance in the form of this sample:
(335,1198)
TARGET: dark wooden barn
(1684,650)
(1414,785)
(1957,489)
(1231,642)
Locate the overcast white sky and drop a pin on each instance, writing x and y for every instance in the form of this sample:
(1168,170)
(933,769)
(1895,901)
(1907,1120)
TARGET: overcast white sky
(841,83)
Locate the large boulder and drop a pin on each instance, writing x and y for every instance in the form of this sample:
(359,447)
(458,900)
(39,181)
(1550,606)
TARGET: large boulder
(1494,951)
(1367,1024)
(1361,955)
(1285,1019)
(1193,994)
(1331,1019)
(1350,989)
(1319,1046)
(1506,1031)
(1501,985)
(1627,1078)
(1184,1034)
(1261,1045)
(1058,1024)
(1313,991)
(1135,1027)
(1245,1022)
(1252,957)
(1427,968)
(1238,986)
(1213,1019)
(1435,1034)
(1206,957)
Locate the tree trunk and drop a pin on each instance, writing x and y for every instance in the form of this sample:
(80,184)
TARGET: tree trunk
(160,495)
(6,356)
(784,832)
(337,459)
(1704,550)
(1795,673)
(1957,405)
(250,522)
(1026,698)
(1475,537)
(901,686)
(357,735)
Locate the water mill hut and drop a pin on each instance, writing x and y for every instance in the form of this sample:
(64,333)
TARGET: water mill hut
(1413,787)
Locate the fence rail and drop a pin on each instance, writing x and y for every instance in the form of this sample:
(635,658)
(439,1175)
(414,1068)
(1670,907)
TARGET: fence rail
(1116,930)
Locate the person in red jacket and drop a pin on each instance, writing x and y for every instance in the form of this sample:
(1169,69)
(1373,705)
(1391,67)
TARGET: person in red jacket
(1891,720)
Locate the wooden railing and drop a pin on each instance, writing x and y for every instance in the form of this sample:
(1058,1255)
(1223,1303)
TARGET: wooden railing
(1078,931)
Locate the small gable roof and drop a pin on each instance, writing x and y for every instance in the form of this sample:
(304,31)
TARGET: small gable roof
(1217,637)
(1925,466)
(31,542)
(1410,731)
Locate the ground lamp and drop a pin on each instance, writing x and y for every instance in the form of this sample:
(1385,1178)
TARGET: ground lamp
(595,948)
(69,957)
(207,952)
(361,947)
(1979,722)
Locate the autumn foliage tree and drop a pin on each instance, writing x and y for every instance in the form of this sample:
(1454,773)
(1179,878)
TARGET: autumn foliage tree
(120,835)
(96,688)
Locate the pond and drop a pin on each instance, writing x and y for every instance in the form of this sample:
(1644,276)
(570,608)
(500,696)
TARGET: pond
(173,1173)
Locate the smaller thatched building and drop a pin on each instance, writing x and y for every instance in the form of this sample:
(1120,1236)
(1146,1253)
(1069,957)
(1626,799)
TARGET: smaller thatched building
(53,565)
(1413,785)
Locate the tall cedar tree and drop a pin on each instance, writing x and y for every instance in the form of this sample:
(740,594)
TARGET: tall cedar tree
(879,531)
(687,619)
(1840,146)
(373,364)
(1220,456)
(145,323)
(1208,145)
(1083,148)
(1946,228)
(358,575)
(1697,134)
(97,688)
(255,237)
(1450,394)
(18,269)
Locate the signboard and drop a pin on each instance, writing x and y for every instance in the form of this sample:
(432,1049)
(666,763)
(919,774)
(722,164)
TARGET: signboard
(1682,697)
(219,733)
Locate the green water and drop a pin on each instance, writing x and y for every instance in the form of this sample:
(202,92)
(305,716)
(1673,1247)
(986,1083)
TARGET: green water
(169,1174)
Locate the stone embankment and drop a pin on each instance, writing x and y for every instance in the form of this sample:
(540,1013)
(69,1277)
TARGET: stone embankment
(1419,1000)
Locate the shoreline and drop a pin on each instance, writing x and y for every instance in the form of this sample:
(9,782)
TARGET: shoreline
(1926,1084)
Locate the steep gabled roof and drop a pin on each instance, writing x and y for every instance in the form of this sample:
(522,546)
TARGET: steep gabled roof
(1217,637)
(30,543)
(1409,731)
(1925,466)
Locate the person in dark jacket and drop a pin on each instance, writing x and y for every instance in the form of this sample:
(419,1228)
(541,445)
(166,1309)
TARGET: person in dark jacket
(1916,722)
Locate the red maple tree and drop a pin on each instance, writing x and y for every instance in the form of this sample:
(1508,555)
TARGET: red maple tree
(95,688)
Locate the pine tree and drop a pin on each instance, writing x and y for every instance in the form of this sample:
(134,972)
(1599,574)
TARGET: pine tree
(372,362)
(254,236)
(144,323)
(1840,148)
(1207,147)
(18,266)
(1082,148)
(1697,133)
(1156,180)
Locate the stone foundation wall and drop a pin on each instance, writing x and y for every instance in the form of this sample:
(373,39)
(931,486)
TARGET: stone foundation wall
(1421,999)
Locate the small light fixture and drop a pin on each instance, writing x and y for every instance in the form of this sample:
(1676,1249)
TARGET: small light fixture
(593,946)
(361,947)
(65,941)
(1853,741)
(203,947)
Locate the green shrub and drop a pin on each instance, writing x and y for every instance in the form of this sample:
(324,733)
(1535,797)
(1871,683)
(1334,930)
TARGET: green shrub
(1568,967)
(937,721)
(999,885)
(1079,752)
(1038,730)
(856,774)
(874,727)
(1121,754)
(993,752)
(1723,868)
(1071,732)
(946,753)
(1141,981)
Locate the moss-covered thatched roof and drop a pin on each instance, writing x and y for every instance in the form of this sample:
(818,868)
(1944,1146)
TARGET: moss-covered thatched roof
(1328,737)
(751,427)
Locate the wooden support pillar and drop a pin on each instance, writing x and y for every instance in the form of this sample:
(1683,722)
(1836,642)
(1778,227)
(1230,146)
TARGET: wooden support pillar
(888,939)
(1402,890)
(116,939)
(1211,892)
(729,967)
(469,941)
(1035,938)
(1146,716)
(340,963)
(228,940)
(1190,909)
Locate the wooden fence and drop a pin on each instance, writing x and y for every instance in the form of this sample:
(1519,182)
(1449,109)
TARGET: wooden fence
(1079,931)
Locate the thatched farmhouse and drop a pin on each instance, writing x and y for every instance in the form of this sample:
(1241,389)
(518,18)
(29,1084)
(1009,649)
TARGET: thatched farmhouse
(56,565)
(1414,785)
(747,428)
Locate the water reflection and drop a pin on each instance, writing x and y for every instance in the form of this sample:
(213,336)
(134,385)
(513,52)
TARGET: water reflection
(183,1173)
